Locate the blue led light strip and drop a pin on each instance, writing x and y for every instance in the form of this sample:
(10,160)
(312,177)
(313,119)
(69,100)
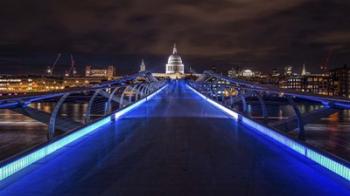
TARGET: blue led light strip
(22,162)
(226,110)
(331,164)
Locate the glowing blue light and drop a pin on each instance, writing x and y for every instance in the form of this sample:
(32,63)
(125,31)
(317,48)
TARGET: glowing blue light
(214,103)
(329,163)
(274,135)
(16,165)
(20,163)
(141,101)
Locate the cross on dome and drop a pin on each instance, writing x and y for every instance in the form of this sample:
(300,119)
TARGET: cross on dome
(174,65)
(174,49)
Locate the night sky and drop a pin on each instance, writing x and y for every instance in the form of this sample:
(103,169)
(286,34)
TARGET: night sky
(258,34)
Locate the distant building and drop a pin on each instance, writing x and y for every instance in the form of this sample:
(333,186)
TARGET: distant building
(275,73)
(174,65)
(247,73)
(108,73)
(293,82)
(29,83)
(142,66)
(175,69)
(232,73)
(303,71)
(312,83)
(318,84)
(288,70)
(22,84)
(341,81)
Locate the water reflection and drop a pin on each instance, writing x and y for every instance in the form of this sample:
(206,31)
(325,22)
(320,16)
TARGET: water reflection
(331,133)
(75,111)
(19,132)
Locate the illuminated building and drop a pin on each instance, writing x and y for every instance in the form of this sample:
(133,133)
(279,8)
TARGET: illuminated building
(247,73)
(303,71)
(29,83)
(174,65)
(232,73)
(101,73)
(341,81)
(311,83)
(69,82)
(142,66)
(33,83)
(288,70)
(174,69)
(275,73)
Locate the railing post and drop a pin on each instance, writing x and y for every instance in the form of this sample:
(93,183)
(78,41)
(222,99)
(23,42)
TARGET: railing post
(263,105)
(133,91)
(122,97)
(52,122)
(109,106)
(244,103)
(301,133)
(138,92)
(91,102)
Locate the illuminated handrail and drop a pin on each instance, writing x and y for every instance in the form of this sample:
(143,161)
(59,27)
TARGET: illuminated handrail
(340,102)
(329,161)
(22,160)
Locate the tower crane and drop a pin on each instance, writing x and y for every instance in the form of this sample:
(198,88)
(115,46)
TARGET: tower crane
(51,68)
(72,69)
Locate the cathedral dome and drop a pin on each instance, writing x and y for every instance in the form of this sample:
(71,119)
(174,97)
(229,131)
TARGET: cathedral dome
(174,58)
(174,63)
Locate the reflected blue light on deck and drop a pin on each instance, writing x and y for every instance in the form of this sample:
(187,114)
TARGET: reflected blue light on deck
(22,162)
(141,101)
(275,135)
(14,166)
(214,103)
(329,163)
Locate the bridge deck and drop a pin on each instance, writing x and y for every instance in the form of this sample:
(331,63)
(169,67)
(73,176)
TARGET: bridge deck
(175,144)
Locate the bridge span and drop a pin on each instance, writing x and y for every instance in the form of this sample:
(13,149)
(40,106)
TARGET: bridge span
(175,144)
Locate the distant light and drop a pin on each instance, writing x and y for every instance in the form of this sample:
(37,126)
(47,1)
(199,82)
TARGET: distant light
(247,73)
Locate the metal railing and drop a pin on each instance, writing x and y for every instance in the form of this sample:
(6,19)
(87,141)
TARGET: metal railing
(231,92)
(96,101)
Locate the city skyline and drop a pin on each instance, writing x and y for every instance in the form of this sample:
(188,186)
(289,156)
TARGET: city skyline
(253,33)
(127,64)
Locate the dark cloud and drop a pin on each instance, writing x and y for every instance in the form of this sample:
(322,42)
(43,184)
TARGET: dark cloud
(222,32)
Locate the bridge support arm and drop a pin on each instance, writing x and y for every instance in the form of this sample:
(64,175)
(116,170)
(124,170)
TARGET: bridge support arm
(301,133)
(122,97)
(110,98)
(53,117)
(91,102)
(263,106)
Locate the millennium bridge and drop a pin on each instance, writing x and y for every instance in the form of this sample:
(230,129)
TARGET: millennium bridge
(142,136)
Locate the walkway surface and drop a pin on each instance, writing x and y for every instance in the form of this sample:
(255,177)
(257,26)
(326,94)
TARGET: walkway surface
(175,144)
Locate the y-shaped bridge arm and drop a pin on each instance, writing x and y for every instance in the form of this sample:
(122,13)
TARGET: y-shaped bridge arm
(301,133)
(53,116)
(289,124)
(262,105)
